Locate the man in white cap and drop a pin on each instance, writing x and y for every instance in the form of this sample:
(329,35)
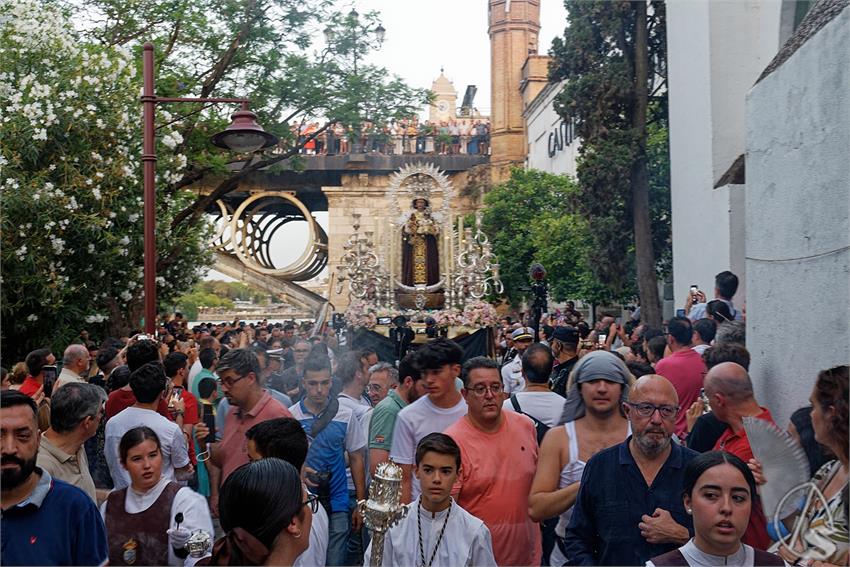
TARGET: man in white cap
(512,378)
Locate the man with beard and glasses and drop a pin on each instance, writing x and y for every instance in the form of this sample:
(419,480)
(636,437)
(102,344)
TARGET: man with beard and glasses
(45,521)
(629,507)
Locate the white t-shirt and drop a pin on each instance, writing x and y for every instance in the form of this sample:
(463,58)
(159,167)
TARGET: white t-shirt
(363,412)
(194,371)
(175,451)
(547,407)
(316,554)
(193,506)
(414,422)
(700,348)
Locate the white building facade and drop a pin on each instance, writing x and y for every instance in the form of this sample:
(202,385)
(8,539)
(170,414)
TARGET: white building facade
(758,184)
(552,143)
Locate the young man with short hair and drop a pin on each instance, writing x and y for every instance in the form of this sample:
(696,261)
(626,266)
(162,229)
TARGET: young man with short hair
(334,432)
(537,401)
(284,438)
(499,450)
(148,384)
(438,531)
(440,363)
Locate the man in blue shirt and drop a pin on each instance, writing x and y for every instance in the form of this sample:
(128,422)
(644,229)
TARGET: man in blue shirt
(629,507)
(45,521)
(333,431)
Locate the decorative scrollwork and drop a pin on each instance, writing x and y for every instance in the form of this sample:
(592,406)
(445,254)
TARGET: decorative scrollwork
(475,260)
(248,233)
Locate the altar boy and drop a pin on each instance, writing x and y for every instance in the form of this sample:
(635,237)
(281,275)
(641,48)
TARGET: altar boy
(436,531)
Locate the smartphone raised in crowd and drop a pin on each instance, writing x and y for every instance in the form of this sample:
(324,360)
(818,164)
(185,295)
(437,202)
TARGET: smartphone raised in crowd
(49,379)
(208,417)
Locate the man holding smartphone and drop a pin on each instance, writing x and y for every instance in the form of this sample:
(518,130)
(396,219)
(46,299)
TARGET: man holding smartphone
(182,404)
(36,362)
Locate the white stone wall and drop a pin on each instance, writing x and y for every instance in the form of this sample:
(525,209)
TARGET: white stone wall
(542,123)
(798,219)
(716,51)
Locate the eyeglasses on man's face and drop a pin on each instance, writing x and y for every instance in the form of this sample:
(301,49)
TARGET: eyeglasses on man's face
(229,381)
(646,410)
(481,389)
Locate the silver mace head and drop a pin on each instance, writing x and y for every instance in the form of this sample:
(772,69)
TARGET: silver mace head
(383,508)
(199,543)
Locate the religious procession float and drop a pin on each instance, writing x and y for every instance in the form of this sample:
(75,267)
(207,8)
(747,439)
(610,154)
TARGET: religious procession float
(428,277)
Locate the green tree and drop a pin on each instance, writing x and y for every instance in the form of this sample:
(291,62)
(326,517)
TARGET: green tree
(71,187)
(190,303)
(613,57)
(259,49)
(531,218)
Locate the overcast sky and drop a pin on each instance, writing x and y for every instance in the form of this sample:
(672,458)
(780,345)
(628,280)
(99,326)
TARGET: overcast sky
(421,37)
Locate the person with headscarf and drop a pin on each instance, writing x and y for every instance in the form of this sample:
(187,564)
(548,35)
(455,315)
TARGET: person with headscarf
(597,387)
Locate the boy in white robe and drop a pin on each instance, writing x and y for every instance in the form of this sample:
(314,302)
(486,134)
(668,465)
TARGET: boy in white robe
(450,536)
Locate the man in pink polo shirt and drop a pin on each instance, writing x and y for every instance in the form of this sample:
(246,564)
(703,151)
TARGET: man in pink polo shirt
(239,374)
(498,462)
(684,368)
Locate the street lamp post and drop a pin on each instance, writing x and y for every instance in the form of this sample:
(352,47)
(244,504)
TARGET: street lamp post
(243,135)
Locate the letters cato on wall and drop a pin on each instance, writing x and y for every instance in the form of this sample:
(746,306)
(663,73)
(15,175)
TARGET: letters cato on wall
(561,137)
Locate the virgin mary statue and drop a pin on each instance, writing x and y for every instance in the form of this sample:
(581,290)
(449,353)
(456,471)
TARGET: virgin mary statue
(420,263)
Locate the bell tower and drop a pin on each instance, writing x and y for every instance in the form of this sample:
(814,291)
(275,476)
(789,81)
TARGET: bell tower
(513,29)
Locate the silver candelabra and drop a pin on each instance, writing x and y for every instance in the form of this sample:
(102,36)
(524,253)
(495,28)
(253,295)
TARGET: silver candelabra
(478,270)
(362,269)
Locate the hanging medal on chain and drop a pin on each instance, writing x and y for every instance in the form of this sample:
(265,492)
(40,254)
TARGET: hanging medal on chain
(439,538)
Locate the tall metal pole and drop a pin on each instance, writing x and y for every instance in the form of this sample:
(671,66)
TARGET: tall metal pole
(149,171)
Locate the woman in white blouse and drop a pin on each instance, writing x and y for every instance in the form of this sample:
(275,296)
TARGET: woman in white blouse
(150,521)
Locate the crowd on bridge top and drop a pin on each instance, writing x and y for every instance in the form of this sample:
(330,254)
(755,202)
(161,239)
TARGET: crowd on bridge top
(588,443)
(451,137)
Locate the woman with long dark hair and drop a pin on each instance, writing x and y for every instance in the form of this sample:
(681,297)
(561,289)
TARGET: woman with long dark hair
(718,491)
(265,514)
(830,416)
(150,521)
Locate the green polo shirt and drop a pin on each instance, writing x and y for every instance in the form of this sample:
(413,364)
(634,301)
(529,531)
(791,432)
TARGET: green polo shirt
(383,421)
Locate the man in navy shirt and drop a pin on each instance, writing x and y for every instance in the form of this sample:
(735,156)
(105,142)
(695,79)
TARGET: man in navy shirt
(45,521)
(629,507)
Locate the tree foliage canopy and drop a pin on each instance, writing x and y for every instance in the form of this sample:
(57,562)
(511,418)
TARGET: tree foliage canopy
(70,140)
(71,215)
(597,57)
(531,218)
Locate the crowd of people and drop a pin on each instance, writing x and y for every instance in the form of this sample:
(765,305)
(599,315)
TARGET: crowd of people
(406,136)
(252,444)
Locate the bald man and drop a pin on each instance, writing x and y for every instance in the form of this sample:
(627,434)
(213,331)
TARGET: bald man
(629,507)
(75,365)
(730,394)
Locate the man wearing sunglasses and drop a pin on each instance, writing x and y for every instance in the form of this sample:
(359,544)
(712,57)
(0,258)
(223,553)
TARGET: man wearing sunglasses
(629,507)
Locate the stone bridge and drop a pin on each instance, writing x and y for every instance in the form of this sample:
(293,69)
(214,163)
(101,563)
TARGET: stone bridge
(249,217)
